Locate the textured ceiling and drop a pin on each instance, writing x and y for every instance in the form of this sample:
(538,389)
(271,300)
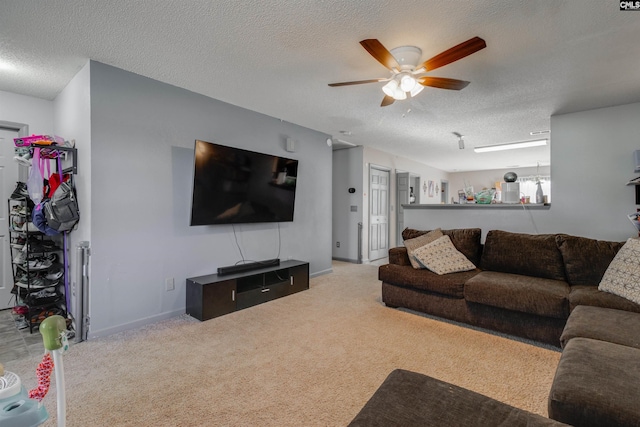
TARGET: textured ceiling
(543,57)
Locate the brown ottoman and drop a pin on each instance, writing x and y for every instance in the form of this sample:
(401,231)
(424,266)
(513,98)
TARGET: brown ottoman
(597,383)
(407,398)
(604,324)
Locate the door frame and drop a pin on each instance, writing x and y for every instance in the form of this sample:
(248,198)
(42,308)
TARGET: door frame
(387,206)
(444,191)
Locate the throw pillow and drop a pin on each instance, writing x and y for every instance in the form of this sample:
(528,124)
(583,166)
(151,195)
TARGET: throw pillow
(441,257)
(622,277)
(415,243)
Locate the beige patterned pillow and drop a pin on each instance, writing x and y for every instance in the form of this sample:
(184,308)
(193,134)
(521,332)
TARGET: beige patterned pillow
(441,257)
(622,277)
(417,242)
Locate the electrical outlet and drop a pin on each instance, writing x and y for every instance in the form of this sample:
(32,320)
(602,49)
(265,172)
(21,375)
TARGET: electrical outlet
(337,244)
(169,284)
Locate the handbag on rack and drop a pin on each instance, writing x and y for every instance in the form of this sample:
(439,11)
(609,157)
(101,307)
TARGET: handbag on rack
(61,211)
(35,182)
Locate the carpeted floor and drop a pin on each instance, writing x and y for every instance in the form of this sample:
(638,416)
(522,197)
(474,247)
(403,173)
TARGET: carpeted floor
(310,359)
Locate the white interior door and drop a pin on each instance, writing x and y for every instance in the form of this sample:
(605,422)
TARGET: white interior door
(8,178)
(378,213)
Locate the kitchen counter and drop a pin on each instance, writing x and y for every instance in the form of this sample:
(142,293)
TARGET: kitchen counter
(525,206)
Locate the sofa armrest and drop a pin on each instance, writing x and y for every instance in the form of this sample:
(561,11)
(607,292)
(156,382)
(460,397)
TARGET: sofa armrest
(399,256)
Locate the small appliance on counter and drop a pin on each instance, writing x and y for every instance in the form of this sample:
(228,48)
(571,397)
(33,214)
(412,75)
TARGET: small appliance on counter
(510,188)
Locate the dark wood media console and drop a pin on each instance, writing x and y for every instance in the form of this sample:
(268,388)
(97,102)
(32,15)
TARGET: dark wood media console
(214,295)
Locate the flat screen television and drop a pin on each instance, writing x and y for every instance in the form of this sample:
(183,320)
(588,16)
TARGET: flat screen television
(234,186)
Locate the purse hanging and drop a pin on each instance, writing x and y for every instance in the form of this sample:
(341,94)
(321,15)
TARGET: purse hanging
(35,182)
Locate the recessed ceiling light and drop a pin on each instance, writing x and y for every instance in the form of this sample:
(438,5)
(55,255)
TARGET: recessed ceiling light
(539,132)
(510,146)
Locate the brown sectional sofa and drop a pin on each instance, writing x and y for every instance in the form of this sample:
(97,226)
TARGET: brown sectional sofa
(597,381)
(408,398)
(524,285)
(541,287)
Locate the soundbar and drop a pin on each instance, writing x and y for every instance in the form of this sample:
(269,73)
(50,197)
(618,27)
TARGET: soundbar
(230,269)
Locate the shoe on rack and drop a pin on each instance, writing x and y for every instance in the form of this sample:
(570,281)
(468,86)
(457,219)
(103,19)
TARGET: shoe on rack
(38,318)
(21,323)
(20,258)
(23,159)
(35,246)
(29,227)
(18,242)
(18,210)
(39,263)
(36,282)
(20,309)
(41,297)
(17,221)
(26,278)
(52,257)
(54,273)
(20,191)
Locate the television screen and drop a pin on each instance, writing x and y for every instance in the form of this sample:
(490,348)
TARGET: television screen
(232,186)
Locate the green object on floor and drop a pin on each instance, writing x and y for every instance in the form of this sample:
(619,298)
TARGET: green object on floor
(51,329)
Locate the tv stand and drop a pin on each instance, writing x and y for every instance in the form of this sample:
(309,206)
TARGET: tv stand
(230,269)
(214,295)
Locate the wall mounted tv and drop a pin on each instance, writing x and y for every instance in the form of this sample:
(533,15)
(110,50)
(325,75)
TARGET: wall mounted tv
(233,186)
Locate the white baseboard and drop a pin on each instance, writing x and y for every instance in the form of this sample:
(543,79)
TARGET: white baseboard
(320,273)
(138,323)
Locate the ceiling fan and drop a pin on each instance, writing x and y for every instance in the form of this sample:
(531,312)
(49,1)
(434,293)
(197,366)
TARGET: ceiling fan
(407,77)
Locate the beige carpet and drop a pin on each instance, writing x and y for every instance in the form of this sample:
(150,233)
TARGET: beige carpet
(310,359)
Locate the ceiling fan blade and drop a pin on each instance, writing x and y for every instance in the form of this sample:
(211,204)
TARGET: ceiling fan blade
(387,100)
(378,51)
(358,82)
(443,83)
(457,52)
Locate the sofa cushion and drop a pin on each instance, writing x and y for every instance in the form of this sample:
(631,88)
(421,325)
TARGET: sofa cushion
(408,398)
(622,277)
(417,242)
(425,280)
(533,295)
(604,324)
(399,256)
(586,260)
(534,255)
(466,240)
(590,295)
(441,257)
(597,383)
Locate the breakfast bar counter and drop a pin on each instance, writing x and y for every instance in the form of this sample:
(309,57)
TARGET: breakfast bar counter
(517,217)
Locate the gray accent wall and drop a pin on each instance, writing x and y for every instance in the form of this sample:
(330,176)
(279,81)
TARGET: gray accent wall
(142,140)
(347,207)
(72,120)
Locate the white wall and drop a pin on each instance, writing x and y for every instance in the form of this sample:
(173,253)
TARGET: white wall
(347,173)
(591,161)
(25,110)
(142,139)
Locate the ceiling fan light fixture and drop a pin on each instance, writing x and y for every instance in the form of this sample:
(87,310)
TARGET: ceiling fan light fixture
(416,90)
(390,88)
(399,94)
(510,146)
(407,83)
